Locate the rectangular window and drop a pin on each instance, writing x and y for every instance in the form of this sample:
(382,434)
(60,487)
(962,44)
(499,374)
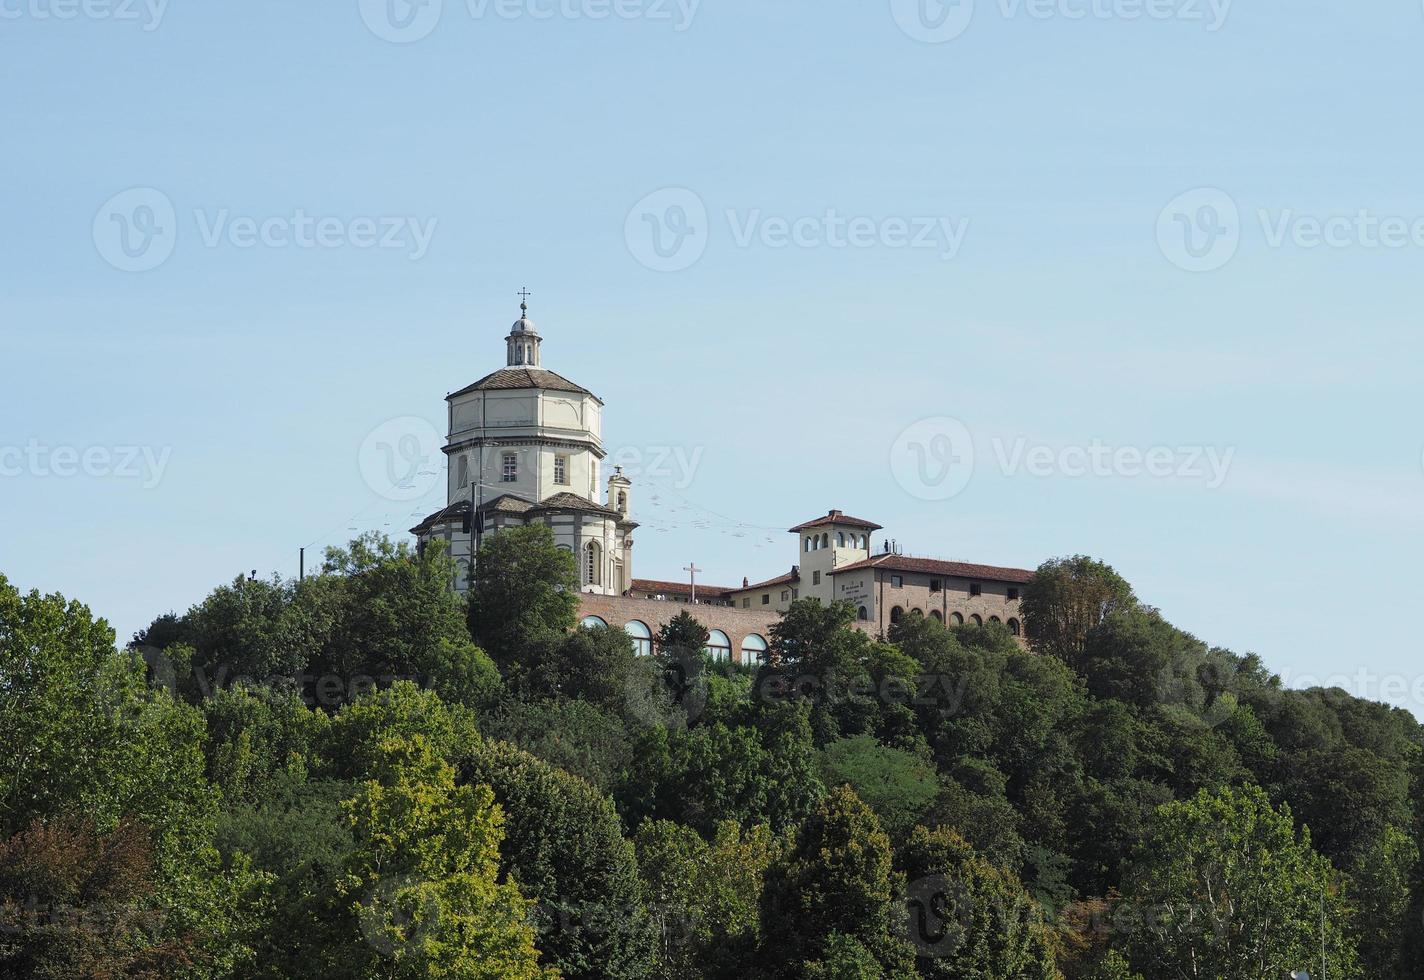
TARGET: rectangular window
(766,598)
(815,578)
(561,470)
(897,581)
(935,585)
(747,603)
(976,589)
(464,472)
(1013,594)
(795,593)
(785,595)
(511,468)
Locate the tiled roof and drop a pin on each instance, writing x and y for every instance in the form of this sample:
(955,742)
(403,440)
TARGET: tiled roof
(447,515)
(507,503)
(933,566)
(836,517)
(792,576)
(677,588)
(516,378)
(572,501)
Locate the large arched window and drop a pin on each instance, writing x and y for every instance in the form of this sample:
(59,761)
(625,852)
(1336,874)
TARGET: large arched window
(1014,627)
(918,612)
(719,647)
(976,620)
(642,637)
(593,622)
(826,540)
(955,619)
(840,539)
(864,614)
(592,564)
(936,614)
(995,619)
(754,650)
(897,614)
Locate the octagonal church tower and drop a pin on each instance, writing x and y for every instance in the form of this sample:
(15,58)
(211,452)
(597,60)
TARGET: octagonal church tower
(525,445)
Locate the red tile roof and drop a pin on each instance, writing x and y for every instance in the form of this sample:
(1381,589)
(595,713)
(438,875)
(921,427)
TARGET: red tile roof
(933,566)
(836,517)
(792,576)
(506,379)
(677,588)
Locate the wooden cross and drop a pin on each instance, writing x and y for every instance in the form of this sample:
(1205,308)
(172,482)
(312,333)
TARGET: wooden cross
(693,569)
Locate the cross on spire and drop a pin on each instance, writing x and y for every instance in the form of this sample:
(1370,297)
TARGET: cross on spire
(524,294)
(694,570)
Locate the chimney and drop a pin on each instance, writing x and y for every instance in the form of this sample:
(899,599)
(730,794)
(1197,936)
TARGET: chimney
(746,582)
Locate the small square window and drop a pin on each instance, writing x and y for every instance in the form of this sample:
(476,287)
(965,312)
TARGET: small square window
(936,585)
(976,589)
(897,581)
(766,598)
(1013,594)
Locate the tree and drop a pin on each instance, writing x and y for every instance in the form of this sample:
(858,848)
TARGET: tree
(704,896)
(967,918)
(1066,599)
(1379,887)
(1226,887)
(102,786)
(898,786)
(424,876)
(837,881)
(565,847)
(525,591)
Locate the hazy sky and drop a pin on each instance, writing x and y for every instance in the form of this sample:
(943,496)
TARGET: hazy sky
(1133,278)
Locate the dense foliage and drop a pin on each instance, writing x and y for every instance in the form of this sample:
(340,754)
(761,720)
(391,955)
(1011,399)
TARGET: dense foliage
(364,775)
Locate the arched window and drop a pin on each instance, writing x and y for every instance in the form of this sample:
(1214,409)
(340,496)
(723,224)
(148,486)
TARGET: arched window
(864,543)
(955,619)
(864,614)
(825,540)
(936,615)
(808,546)
(642,638)
(622,502)
(719,647)
(1014,627)
(976,620)
(897,614)
(995,619)
(593,622)
(754,650)
(840,539)
(592,567)
(918,612)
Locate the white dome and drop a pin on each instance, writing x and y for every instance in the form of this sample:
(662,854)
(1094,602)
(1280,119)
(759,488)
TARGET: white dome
(524,325)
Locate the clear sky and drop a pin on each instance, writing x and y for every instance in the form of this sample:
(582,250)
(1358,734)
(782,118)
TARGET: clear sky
(1083,230)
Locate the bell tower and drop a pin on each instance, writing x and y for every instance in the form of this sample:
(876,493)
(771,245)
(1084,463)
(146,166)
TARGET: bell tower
(522,344)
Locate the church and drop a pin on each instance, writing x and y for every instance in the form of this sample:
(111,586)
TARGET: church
(525,445)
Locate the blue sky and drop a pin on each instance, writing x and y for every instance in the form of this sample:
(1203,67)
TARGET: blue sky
(1063,233)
